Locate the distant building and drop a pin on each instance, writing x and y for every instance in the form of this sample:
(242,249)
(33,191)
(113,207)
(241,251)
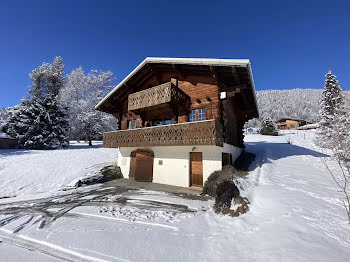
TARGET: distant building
(309,126)
(290,123)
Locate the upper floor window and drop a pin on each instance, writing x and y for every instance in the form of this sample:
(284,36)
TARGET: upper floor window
(132,124)
(158,123)
(168,122)
(192,117)
(201,114)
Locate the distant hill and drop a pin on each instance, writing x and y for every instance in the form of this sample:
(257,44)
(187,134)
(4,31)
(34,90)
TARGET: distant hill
(294,103)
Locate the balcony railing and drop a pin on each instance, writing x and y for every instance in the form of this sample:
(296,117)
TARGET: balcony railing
(191,133)
(157,95)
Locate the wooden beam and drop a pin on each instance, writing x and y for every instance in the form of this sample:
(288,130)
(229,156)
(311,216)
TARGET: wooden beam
(219,81)
(176,69)
(235,75)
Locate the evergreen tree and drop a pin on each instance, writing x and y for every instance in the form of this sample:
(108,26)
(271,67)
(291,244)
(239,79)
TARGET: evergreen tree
(332,108)
(41,122)
(334,135)
(268,127)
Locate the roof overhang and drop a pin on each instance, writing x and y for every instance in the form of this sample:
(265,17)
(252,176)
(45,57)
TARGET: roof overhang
(206,65)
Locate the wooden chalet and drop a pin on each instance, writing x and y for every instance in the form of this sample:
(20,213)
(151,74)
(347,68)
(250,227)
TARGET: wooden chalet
(180,119)
(290,123)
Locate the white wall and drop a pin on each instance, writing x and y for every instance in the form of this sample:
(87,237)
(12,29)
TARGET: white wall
(175,168)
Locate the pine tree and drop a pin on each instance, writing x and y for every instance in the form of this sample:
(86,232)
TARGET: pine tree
(332,107)
(40,122)
(268,127)
(334,135)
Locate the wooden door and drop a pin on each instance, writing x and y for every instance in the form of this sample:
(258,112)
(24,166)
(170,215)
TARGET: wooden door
(144,165)
(132,164)
(226,159)
(196,168)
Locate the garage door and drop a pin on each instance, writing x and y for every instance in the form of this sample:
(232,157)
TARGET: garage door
(142,165)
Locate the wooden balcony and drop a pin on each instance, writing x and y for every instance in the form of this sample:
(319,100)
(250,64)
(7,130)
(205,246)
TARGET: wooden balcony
(157,95)
(207,132)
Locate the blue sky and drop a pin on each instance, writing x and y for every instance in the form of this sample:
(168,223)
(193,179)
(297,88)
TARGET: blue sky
(291,44)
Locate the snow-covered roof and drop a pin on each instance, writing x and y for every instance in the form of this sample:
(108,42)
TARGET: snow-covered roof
(187,61)
(309,126)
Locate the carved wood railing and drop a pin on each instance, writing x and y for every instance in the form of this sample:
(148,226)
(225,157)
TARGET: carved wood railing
(157,95)
(192,133)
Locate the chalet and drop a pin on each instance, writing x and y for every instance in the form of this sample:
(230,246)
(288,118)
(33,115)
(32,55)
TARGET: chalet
(180,119)
(290,123)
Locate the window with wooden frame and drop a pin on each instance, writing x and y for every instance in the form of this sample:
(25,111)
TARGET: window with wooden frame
(201,114)
(132,124)
(192,117)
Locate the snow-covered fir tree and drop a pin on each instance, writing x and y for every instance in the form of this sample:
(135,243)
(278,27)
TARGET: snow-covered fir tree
(40,122)
(268,127)
(81,93)
(332,105)
(334,135)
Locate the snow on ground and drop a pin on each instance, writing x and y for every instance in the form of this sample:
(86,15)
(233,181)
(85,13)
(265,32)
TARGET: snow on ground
(295,215)
(25,173)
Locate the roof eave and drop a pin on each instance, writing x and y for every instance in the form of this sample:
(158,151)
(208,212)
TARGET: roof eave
(190,61)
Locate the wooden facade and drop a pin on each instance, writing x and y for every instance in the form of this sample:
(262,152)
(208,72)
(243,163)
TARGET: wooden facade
(196,133)
(178,102)
(288,123)
(156,96)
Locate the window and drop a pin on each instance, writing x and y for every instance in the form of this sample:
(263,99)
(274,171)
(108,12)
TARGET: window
(201,114)
(168,122)
(192,117)
(158,123)
(132,124)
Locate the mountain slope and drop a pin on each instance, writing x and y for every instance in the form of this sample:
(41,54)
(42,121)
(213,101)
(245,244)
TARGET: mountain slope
(294,103)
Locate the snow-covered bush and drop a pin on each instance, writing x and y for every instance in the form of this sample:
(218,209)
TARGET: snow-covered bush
(228,173)
(268,127)
(225,192)
(222,186)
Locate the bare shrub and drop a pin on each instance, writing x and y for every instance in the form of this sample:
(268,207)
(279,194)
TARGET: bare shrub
(225,192)
(228,173)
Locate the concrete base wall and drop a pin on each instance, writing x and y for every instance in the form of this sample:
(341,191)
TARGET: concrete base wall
(172,164)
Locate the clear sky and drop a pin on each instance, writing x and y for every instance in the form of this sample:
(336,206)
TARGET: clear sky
(291,44)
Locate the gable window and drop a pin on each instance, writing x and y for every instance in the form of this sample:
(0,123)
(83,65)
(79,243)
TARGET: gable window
(201,114)
(192,117)
(132,124)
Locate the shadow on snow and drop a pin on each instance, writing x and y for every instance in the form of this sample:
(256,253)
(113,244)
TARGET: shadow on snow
(277,151)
